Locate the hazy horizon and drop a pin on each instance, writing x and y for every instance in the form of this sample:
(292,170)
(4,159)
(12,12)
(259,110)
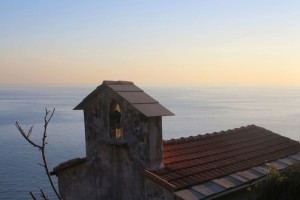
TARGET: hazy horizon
(143,85)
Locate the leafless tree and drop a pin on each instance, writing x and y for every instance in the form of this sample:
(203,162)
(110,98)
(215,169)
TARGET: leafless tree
(42,148)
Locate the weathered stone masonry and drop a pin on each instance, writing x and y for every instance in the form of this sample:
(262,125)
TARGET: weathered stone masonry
(114,166)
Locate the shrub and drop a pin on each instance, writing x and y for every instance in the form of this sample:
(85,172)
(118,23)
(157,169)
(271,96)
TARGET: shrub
(279,185)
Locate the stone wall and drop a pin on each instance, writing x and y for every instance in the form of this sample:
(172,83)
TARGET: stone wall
(154,191)
(114,166)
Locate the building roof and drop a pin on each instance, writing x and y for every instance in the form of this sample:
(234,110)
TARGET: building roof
(67,164)
(205,165)
(131,93)
(211,165)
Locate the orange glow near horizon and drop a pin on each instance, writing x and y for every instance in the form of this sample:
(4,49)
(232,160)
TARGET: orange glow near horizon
(238,43)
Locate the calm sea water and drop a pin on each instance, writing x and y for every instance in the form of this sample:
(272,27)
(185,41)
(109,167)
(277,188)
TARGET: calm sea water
(198,110)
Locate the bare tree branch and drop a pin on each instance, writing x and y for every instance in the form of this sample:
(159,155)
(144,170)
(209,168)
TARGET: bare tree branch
(32,196)
(48,116)
(43,195)
(26,135)
(41,165)
(47,120)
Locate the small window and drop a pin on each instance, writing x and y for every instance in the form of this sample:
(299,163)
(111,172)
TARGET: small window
(115,120)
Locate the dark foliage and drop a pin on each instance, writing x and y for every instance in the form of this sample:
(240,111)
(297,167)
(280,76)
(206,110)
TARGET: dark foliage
(279,185)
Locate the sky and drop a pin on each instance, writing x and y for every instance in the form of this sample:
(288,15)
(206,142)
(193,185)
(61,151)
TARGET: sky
(165,42)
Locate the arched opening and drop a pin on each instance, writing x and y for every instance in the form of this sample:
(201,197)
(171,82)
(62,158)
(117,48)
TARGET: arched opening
(115,120)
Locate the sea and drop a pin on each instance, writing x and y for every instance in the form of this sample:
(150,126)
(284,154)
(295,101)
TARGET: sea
(197,109)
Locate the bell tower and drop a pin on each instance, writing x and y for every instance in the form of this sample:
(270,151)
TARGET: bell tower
(123,133)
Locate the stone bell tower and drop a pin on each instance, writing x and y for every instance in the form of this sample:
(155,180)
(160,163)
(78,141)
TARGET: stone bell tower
(123,133)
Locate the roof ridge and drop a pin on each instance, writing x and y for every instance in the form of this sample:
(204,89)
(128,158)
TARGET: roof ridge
(119,82)
(213,134)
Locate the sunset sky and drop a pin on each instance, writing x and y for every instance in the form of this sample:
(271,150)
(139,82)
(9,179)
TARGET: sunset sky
(163,42)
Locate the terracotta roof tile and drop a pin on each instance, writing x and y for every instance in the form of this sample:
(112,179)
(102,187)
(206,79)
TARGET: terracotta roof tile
(194,160)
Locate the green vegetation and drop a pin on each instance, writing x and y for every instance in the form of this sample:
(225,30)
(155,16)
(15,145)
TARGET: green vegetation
(279,185)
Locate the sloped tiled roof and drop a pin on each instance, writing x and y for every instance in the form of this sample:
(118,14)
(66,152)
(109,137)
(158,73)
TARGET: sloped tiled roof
(133,94)
(67,164)
(195,161)
(239,180)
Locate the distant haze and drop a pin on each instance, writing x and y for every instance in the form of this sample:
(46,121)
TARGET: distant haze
(166,42)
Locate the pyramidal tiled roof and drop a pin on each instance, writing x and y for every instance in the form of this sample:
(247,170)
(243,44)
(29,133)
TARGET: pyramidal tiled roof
(192,162)
(131,93)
